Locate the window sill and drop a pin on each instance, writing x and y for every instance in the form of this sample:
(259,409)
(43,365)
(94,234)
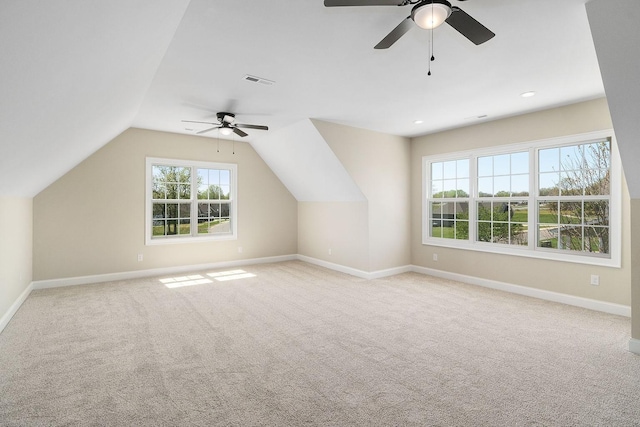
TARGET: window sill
(537,253)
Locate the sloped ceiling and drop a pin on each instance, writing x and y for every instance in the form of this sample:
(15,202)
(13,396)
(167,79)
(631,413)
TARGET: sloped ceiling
(77,73)
(74,75)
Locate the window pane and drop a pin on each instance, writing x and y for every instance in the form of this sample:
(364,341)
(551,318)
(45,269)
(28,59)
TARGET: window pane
(225,177)
(158,228)
(436,210)
(571,158)
(596,213)
(549,160)
(501,165)
(203,191)
(184,191)
(484,211)
(158,210)
(172,227)
(172,191)
(214,177)
(449,170)
(436,171)
(436,229)
(548,184)
(520,163)
(597,155)
(485,166)
(485,187)
(463,188)
(203,210)
(570,238)
(519,211)
(462,168)
(519,234)
(571,183)
(185,210)
(502,186)
(203,178)
(596,240)
(172,210)
(449,188)
(548,236)
(437,189)
(520,185)
(597,182)
(548,212)
(571,212)
(185,226)
(159,190)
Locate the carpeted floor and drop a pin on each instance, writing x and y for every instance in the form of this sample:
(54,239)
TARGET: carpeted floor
(292,344)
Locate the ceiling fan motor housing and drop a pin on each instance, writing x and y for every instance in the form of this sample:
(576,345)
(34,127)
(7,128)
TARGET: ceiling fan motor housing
(225,117)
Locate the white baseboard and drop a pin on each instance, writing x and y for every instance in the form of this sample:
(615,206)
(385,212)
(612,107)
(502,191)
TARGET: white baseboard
(355,272)
(4,321)
(603,306)
(634,345)
(109,277)
(606,307)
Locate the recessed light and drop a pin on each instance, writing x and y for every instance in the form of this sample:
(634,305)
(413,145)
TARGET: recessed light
(418,122)
(527,94)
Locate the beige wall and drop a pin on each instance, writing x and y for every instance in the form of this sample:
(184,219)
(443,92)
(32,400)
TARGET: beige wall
(335,232)
(635,269)
(15,249)
(378,163)
(91,221)
(568,278)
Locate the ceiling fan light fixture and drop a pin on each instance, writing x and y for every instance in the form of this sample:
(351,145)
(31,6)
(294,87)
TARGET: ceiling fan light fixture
(430,14)
(226,131)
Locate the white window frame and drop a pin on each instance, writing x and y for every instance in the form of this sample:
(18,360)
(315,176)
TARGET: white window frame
(194,237)
(613,259)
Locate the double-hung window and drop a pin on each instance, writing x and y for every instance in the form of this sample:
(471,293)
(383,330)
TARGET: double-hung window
(556,199)
(190,201)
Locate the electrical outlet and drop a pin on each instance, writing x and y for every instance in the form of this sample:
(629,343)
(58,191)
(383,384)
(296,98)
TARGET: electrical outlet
(140,257)
(435,257)
(595,280)
(239,249)
(329,251)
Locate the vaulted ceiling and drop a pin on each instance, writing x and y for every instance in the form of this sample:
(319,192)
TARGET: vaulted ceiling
(77,73)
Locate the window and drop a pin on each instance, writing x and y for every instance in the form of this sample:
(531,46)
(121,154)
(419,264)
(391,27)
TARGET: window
(189,201)
(557,199)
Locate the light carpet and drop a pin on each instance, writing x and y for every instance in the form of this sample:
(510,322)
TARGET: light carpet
(293,344)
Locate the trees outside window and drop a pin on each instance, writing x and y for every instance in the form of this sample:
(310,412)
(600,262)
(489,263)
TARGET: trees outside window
(545,197)
(190,200)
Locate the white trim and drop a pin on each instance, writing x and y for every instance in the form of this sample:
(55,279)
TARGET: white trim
(634,345)
(602,306)
(100,278)
(591,304)
(355,272)
(6,318)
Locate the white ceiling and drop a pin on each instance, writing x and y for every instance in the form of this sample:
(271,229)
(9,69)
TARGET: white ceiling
(77,73)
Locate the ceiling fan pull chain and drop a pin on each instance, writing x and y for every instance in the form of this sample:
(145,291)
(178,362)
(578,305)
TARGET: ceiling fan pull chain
(431,51)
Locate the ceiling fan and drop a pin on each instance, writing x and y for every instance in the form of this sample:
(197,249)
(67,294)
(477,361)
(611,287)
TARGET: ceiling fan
(226,124)
(427,14)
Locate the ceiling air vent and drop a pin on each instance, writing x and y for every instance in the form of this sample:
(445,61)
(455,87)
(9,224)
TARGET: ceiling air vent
(255,79)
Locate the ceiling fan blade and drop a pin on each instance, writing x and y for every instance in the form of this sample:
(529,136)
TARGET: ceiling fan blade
(239,132)
(207,130)
(462,22)
(242,125)
(333,3)
(205,123)
(395,34)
